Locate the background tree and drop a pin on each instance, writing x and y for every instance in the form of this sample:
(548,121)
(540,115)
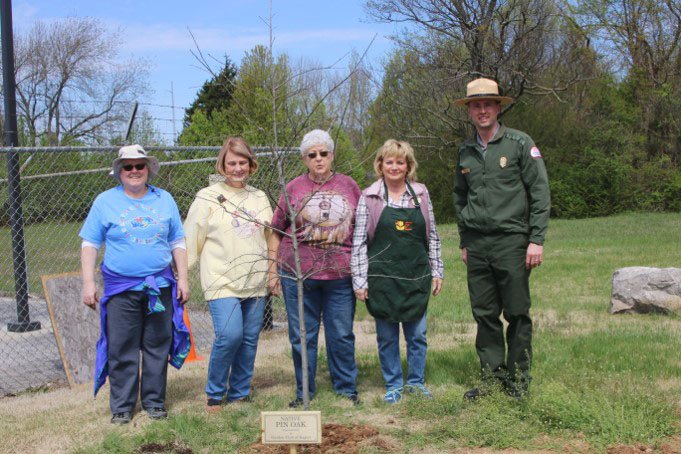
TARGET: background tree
(511,41)
(247,109)
(642,40)
(349,104)
(70,84)
(215,94)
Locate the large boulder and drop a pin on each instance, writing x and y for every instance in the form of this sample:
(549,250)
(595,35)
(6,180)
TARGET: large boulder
(644,290)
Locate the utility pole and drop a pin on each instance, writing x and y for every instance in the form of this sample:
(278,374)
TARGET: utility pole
(16,217)
(172,107)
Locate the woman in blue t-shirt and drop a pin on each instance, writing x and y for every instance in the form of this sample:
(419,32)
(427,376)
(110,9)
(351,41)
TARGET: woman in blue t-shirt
(141,308)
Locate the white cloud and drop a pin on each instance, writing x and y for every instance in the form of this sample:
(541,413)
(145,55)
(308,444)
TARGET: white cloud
(174,38)
(23,14)
(159,38)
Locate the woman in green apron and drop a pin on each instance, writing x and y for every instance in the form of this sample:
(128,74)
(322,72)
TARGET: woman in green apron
(396,262)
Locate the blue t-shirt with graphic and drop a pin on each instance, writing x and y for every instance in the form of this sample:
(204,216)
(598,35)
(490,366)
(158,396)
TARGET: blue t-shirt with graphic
(136,233)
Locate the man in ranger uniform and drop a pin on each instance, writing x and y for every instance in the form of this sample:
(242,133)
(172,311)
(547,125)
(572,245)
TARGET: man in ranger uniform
(502,204)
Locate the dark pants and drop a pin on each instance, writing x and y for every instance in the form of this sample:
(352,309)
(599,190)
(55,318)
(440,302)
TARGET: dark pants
(130,330)
(498,283)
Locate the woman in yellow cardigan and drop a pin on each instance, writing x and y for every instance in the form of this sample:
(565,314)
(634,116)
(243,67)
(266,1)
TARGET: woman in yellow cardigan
(226,232)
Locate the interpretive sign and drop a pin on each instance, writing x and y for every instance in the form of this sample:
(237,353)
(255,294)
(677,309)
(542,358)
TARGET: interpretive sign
(291,427)
(76,326)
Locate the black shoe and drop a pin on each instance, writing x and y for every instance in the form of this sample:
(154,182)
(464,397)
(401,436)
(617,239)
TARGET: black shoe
(295,403)
(473,394)
(354,398)
(157,413)
(240,399)
(121,418)
(516,393)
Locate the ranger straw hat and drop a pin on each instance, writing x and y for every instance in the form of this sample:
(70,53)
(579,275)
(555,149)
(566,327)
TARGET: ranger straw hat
(483,89)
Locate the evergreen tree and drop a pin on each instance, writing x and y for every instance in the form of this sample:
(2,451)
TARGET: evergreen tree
(215,94)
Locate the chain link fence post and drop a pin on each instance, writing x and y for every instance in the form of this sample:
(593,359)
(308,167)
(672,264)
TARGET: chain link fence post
(16,218)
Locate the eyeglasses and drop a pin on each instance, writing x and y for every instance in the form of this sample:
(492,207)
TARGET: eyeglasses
(128,167)
(323,154)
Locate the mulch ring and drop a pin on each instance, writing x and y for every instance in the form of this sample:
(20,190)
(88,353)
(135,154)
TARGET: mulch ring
(336,438)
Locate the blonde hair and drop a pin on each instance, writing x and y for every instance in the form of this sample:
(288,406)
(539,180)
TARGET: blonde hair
(396,149)
(239,147)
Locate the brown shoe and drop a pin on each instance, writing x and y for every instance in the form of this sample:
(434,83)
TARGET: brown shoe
(214,405)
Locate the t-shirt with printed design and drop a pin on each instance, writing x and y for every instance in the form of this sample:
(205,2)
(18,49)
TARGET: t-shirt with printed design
(325,224)
(136,233)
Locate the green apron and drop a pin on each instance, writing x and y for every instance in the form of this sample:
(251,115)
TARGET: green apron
(399,269)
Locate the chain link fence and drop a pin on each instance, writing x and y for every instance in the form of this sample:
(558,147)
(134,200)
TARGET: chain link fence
(58,186)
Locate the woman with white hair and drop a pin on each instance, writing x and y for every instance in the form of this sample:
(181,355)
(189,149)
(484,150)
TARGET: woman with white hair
(141,308)
(323,203)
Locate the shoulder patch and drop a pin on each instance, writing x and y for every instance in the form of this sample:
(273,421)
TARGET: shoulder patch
(535,153)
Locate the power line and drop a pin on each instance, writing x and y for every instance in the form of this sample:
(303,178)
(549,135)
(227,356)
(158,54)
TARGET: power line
(101,101)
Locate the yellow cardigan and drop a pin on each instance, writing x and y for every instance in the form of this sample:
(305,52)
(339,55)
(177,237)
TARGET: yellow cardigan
(225,232)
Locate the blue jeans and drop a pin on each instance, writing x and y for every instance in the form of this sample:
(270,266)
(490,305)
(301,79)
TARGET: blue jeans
(333,302)
(237,323)
(388,338)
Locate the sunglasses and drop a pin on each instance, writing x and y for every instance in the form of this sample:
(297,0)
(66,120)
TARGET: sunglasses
(323,154)
(128,167)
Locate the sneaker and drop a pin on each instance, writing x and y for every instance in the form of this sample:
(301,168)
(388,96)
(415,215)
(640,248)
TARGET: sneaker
(157,413)
(393,396)
(419,388)
(121,418)
(295,403)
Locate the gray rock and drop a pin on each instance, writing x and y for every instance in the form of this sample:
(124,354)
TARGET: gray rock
(645,290)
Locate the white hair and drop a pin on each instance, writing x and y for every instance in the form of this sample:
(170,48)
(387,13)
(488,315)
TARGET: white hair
(314,138)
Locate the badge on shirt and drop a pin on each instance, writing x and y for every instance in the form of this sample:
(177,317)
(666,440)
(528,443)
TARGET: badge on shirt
(535,153)
(403,225)
(465,170)
(503,161)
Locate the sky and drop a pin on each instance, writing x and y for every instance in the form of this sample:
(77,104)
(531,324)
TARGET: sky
(323,31)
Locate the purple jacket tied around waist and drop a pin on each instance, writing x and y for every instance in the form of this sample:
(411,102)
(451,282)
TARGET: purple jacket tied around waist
(115,284)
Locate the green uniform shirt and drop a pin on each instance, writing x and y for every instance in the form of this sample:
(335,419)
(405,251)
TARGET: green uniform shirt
(504,191)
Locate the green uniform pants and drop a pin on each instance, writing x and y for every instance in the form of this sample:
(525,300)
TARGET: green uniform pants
(499,283)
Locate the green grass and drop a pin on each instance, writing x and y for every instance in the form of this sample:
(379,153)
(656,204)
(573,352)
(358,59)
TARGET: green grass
(51,248)
(599,380)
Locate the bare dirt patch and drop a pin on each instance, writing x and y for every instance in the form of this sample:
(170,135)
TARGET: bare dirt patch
(672,445)
(336,438)
(625,449)
(170,447)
